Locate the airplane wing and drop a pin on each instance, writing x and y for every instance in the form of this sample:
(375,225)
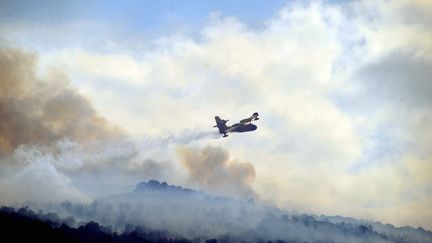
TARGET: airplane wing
(254,117)
(246,120)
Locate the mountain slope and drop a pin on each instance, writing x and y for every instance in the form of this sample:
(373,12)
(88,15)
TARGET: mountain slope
(179,213)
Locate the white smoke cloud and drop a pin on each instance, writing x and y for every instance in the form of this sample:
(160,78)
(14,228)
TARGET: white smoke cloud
(69,170)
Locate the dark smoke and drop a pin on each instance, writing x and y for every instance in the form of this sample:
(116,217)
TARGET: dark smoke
(41,111)
(211,168)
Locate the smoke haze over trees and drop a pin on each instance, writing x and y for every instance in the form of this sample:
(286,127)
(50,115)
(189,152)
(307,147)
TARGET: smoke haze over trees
(157,212)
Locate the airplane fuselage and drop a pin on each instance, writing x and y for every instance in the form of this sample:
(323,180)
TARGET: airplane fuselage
(241,127)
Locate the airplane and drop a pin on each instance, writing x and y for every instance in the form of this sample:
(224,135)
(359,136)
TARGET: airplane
(244,125)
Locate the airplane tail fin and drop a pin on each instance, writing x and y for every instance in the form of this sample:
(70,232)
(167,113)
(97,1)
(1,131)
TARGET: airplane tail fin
(221,125)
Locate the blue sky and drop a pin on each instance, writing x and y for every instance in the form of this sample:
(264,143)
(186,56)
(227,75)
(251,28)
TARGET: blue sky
(149,17)
(143,13)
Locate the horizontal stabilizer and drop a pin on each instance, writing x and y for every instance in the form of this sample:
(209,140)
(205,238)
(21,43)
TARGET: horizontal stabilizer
(221,125)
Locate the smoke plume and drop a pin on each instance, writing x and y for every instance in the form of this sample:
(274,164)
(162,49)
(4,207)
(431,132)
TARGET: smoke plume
(54,146)
(41,111)
(212,168)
